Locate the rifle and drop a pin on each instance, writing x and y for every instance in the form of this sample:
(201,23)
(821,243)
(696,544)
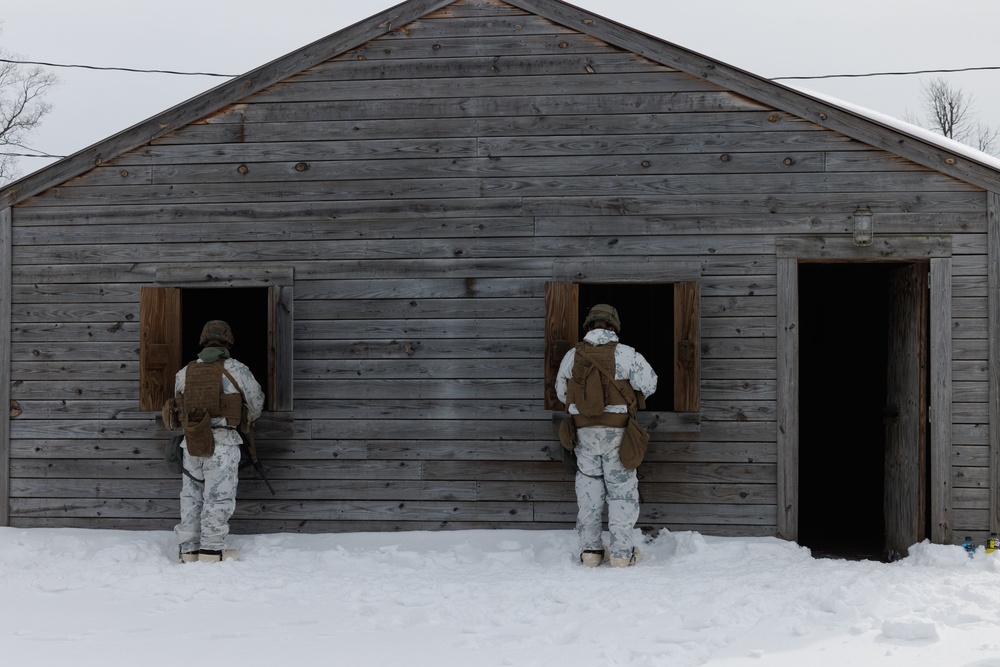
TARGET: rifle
(248,443)
(247,436)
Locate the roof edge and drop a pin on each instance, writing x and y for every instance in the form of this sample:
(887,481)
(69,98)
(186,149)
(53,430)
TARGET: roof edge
(212,100)
(912,146)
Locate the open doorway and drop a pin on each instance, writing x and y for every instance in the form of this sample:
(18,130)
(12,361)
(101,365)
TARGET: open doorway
(862,408)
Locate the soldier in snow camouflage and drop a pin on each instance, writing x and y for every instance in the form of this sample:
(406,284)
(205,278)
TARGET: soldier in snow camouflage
(601,477)
(206,507)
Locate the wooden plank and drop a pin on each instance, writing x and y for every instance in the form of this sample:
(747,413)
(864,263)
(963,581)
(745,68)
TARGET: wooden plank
(159,355)
(469,8)
(466,184)
(472,269)
(687,347)
(309,169)
(882,247)
(428,309)
(428,348)
(287,231)
(6,224)
(824,224)
(993,261)
(536,84)
(311,490)
(794,201)
(438,25)
(643,269)
(280,345)
(562,321)
(941,401)
(387,51)
(362,370)
(788,400)
(904,504)
(235,131)
(357,510)
(512,65)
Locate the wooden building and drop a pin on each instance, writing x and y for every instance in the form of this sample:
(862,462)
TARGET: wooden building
(405,223)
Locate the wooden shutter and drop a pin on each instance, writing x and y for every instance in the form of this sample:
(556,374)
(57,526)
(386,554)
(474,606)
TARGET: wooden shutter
(279,353)
(562,326)
(686,347)
(160,344)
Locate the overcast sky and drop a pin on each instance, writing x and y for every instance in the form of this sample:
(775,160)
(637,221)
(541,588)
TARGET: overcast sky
(778,38)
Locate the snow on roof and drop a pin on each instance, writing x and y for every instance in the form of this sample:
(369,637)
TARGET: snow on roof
(903,126)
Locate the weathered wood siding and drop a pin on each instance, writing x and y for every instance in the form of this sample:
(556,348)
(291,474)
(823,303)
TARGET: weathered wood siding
(423,188)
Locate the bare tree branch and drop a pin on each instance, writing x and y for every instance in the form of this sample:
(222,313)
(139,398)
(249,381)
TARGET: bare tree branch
(22,107)
(950,111)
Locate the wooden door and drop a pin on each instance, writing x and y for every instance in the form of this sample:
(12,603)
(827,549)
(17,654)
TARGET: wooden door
(906,411)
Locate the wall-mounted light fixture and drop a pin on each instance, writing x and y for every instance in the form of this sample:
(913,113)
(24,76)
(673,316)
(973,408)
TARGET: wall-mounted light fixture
(863,227)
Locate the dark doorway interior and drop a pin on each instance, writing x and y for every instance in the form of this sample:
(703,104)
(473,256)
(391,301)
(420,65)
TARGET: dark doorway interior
(843,316)
(647,315)
(245,309)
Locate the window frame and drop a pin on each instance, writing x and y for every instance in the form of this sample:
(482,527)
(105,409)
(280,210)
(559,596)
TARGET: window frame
(160,329)
(562,318)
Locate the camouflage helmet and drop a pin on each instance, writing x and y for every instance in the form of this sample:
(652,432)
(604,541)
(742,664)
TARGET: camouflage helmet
(603,312)
(216,333)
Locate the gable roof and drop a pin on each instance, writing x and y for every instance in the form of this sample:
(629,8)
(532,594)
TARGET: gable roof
(906,141)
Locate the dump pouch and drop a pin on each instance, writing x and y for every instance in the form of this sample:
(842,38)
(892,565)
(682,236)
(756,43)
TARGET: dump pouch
(198,432)
(634,444)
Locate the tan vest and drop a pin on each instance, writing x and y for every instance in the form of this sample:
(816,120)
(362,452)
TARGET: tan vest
(203,389)
(613,392)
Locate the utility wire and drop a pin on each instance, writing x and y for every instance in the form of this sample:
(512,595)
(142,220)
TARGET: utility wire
(773,78)
(857,76)
(116,69)
(45,155)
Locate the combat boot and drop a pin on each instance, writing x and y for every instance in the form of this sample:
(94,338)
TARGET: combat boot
(626,561)
(216,556)
(594,557)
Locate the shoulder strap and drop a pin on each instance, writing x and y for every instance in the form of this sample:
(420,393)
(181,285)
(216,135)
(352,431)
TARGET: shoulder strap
(251,445)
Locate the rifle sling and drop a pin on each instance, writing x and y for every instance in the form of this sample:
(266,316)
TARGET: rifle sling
(611,380)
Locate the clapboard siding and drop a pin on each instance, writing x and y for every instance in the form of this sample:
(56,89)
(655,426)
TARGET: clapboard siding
(423,186)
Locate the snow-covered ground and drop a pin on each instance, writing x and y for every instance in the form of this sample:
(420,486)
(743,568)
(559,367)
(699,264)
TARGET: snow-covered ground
(477,598)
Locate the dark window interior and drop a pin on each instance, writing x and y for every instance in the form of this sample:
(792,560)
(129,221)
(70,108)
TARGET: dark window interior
(245,309)
(647,316)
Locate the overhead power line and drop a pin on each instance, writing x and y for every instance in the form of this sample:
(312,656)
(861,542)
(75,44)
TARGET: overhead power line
(230,76)
(116,69)
(857,76)
(44,155)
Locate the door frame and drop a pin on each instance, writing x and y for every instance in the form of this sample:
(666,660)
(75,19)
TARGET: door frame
(792,251)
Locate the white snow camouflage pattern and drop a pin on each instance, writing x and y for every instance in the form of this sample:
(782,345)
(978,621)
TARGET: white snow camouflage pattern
(600,476)
(206,508)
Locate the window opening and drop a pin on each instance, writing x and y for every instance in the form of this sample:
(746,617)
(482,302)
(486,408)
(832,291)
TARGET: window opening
(647,316)
(246,311)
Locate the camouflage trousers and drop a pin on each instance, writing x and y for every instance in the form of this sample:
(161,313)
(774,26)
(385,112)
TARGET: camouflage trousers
(601,477)
(206,508)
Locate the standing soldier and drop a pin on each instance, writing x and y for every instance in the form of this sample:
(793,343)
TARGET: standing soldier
(215,395)
(600,474)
